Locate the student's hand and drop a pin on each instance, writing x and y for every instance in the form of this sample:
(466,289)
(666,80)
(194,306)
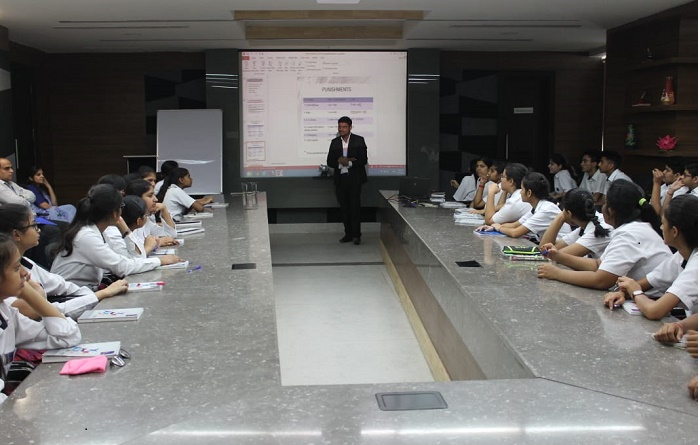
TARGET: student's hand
(484,229)
(673,188)
(669,333)
(628,285)
(549,271)
(168,241)
(477,211)
(693,388)
(493,189)
(454,183)
(549,251)
(658,176)
(496,227)
(169,259)
(36,286)
(208,199)
(691,343)
(614,300)
(150,243)
(158,207)
(116,288)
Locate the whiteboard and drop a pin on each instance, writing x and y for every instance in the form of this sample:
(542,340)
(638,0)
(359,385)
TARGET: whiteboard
(193,138)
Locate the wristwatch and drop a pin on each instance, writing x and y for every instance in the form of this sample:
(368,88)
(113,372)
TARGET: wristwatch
(636,293)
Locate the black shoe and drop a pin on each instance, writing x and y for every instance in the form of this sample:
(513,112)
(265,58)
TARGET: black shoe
(356,240)
(345,239)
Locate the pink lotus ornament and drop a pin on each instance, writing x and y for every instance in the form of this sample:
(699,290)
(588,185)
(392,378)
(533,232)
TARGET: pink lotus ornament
(666,143)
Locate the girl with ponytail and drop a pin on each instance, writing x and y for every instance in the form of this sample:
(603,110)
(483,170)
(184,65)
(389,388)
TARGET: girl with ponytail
(84,254)
(677,276)
(635,247)
(564,175)
(178,202)
(592,236)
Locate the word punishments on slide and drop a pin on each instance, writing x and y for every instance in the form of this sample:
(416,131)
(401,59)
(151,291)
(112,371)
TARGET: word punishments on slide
(292,102)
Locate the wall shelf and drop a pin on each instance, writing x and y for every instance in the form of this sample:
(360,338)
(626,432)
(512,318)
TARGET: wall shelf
(656,63)
(663,108)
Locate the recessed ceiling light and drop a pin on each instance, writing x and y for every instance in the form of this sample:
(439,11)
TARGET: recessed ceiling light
(337,2)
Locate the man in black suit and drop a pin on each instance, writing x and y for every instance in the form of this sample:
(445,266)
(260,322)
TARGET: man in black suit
(347,155)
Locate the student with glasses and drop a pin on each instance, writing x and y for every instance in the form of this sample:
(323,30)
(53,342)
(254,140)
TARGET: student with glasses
(84,254)
(17,222)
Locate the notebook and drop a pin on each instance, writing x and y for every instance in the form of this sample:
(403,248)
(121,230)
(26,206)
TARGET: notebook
(100,315)
(84,350)
(189,231)
(631,308)
(180,265)
(167,251)
(151,286)
(188,224)
(198,215)
(216,205)
(415,188)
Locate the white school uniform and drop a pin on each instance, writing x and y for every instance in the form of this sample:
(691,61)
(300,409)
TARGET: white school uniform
(596,245)
(538,220)
(594,184)
(485,193)
(466,190)
(156,188)
(671,277)
(664,192)
(23,332)
(135,243)
(115,240)
(512,210)
(82,298)
(563,182)
(177,201)
(693,192)
(91,255)
(153,228)
(635,250)
(614,176)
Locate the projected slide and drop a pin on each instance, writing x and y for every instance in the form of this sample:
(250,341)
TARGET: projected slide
(291,102)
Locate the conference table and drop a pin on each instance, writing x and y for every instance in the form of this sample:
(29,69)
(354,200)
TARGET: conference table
(544,362)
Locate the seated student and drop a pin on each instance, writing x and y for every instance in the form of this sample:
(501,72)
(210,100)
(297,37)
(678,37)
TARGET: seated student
(165,231)
(609,164)
(135,214)
(592,236)
(114,234)
(46,203)
(467,188)
(564,175)
(635,247)
(689,180)
(513,207)
(178,202)
(662,181)
(84,255)
(17,222)
(493,176)
(534,190)
(53,331)
(677,277)
(165,170)
(673,332)
(593,179)
(147,174)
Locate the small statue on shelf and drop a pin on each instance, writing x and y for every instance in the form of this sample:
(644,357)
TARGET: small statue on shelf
(643,101)
(630,141)
(668,97)
(666,143)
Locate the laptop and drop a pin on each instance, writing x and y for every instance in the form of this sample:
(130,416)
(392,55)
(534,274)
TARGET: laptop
(415,188)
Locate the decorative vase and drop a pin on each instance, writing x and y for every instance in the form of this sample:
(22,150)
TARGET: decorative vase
(630,141)
(668,96)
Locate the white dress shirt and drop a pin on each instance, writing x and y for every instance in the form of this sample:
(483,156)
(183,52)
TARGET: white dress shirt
(682,282)
(512,210)
(614,176)
(563,182)
(11,193)
(177,201)
(594,184)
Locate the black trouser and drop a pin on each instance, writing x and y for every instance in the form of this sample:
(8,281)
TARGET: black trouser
(348,191)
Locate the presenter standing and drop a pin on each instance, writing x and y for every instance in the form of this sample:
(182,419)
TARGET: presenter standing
(347,155)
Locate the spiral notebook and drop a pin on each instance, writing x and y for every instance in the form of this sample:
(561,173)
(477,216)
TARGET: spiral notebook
(84,350)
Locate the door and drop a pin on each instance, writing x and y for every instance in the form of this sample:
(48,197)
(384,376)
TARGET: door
(525,118)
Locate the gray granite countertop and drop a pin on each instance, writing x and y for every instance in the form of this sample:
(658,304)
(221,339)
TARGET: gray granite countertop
(205,365)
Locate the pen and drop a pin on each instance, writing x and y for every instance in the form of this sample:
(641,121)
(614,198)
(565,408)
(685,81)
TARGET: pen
(160,283)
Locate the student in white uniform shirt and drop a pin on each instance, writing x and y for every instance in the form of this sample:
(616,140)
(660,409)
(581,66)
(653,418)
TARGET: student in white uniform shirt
(493,176)
(513,207)
(17,222)
(689,180)
(135,215)
(563,173)
(165,170)
(534,190)
(609,164)
(173,195)
(17,331)
(677,277)
(84,254)
(593,179)
(466,190)
(592,236)
(635,248)
(165,231)
(662,181)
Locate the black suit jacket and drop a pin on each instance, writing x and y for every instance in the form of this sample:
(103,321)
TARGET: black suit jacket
(356,149)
